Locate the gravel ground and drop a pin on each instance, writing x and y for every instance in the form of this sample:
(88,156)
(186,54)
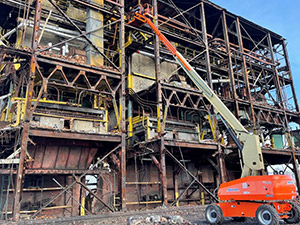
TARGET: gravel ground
(193,215)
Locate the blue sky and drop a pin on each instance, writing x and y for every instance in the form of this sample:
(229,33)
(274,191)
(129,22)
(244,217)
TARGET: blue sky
(282,17)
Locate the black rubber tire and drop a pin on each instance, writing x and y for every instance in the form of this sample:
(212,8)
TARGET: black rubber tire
(239,219)
(214,214)
(267,215)
(295,217)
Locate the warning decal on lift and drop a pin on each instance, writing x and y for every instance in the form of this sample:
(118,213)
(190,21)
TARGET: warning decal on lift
(232,189)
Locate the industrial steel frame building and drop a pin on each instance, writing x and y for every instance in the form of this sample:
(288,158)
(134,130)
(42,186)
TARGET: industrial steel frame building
(96,116)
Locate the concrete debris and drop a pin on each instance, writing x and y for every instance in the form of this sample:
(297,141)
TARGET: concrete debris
(156,219)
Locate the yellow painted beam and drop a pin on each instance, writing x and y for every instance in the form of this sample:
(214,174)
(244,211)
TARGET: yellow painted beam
(158,119)
(212,127)
(202,198)
(143,76)
(82,211)
(57,116)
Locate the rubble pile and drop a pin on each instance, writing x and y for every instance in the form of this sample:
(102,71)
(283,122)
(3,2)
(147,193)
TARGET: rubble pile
(157,219)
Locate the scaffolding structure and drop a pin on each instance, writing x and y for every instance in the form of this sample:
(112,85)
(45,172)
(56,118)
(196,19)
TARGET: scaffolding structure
(95,115)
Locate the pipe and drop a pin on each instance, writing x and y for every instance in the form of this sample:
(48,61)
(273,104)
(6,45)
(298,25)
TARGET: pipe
(233,136)
(5,96)
(12,31)
(220,81)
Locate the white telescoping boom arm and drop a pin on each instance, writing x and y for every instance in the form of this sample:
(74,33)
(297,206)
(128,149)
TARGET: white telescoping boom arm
(251,150)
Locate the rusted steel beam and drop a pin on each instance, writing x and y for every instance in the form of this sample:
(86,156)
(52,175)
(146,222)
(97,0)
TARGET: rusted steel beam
(51,171)
(280,96)
(28,114)
(182,89)
(116,161)
(156,162)
(244,69)
(189,173)
(182,193)
(207,56)
(213,164)
(175,183)
(114,2)
(76,136)
(275,73)
(221,164)
(286,57)
(174,17)
(160,110)
(98,8)
(230,67)
(72,196)
(85,68)
(295,162)
(191,193)
(122,153)
(92,193)
(199,146)
(205,40)
(278,152)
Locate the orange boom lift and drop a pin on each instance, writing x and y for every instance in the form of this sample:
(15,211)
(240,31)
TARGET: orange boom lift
(266,198)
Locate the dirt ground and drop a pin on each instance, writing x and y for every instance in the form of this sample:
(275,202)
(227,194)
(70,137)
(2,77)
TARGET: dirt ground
(193,215)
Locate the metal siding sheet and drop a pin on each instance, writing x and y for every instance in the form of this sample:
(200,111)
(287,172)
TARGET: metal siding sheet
(39,156)
(74,157)
(62,158)
(50,157)
(92,154)
(83,158)
(32,152)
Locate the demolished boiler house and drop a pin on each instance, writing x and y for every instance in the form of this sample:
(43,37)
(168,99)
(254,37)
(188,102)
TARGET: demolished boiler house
(97,116)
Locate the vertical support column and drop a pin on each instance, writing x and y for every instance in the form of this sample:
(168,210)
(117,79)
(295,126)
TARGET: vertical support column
(280,96)
(94,20)
(123,106)
(28,113)
(207,59)
(286,57)
(204,37)
(244,68)
(67,199)
(222,166)
(230,67)
(295,163)
(76,189)
(276,77)
(175,182)
(129,85)
(160,125)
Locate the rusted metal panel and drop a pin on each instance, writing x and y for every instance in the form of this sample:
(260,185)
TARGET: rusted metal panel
(85,153)
(91,156)
(50,156)
(62,157)
(38,156)
(74,157)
